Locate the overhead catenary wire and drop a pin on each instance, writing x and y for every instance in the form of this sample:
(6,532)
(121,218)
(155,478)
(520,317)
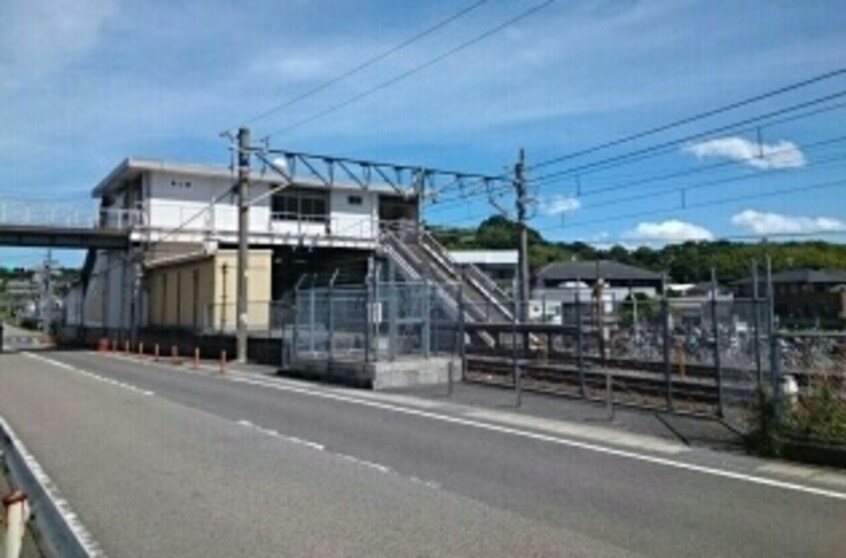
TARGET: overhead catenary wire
(366,64)
(629,156)
(439,205)
(414,70)
(460,199)
(608,241)
(690,119)
(709,203)
(559,176)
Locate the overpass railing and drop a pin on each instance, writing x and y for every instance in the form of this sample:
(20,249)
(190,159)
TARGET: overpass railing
(49,214)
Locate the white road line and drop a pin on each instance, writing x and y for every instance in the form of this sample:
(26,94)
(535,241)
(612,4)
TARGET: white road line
(314,445)
(248,378)
(90,375)
(754,479)
(364,462)
(275,434)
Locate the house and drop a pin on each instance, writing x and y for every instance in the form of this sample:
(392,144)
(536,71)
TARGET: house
(803,297)
(182,223)
(559,281)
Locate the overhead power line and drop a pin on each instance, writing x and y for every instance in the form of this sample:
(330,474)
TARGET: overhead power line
(709,203)
(646,152)
(416,69)
(808,148)
(559,176)
(691,119)
(665,240)
(366,64)
(445,203)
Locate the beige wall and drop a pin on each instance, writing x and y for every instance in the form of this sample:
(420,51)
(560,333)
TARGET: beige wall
(200,293)
(258,289)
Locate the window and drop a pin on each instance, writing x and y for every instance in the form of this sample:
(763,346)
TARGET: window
(294,204)
(354,200)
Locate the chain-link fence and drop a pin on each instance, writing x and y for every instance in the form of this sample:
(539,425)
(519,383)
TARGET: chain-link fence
(268,318)
(379,321)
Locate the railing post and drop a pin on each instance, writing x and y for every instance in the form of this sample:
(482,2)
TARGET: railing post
(295,333)
(773,339)
(580,339)
(715,329)
(376,319)
(462,344)
(393,312)
(368,304)
(756,327)
(426,333)
(330,334)
(665,334)
(515,356)
(311,317)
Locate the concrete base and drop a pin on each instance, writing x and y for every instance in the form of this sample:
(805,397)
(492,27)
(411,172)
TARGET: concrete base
(377,375)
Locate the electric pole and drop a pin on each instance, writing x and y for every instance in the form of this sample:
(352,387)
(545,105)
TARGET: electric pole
(243,237)
(523,250)
(45,295)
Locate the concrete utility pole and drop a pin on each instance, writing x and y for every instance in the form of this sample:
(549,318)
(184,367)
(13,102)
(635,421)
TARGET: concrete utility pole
(45,294)
(243,248)
(523,250)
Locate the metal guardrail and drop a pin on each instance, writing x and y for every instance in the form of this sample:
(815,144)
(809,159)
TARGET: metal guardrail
(61,530)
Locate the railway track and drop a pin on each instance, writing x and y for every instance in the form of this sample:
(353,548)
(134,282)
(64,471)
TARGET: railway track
(628,387)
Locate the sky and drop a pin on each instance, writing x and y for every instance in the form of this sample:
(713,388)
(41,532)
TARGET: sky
(86,83)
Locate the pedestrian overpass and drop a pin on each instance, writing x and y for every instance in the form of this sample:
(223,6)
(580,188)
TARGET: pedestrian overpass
(47,225)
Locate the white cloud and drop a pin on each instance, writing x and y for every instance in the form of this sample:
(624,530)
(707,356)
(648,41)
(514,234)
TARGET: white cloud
(669,231)
(775,223)
(780,155)
(558,205)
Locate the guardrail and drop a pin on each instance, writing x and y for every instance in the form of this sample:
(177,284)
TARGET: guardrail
(60,528)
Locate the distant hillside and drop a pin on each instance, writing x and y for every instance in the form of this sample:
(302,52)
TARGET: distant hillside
(687,262)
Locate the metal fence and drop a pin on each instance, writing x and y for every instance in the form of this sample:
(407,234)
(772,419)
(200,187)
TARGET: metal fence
(379,321)
(702,353)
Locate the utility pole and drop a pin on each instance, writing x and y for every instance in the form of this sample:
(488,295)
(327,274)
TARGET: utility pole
(243,248)
(45,294)
(523,250)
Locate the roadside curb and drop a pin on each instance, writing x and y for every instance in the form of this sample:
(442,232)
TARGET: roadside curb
(60,528)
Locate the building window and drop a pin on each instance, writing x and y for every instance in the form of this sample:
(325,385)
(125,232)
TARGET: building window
(293,204)
(354,200)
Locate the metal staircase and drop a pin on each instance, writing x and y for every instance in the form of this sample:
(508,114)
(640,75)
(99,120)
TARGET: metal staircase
(417,255)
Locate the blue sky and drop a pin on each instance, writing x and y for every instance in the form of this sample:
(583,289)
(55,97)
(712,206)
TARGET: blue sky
(89,82)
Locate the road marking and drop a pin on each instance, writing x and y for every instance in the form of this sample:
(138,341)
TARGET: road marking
(320,447)
(249,378)
(275,434)
(753,479)
(90,375)
(364,462)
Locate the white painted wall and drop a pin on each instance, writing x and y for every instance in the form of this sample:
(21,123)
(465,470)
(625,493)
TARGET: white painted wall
(171,200)
(358,221)
(174,199)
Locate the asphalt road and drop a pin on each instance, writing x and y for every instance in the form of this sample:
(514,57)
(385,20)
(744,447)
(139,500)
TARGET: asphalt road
(160,462)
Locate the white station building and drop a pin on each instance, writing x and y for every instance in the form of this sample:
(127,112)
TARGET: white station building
(182,224)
